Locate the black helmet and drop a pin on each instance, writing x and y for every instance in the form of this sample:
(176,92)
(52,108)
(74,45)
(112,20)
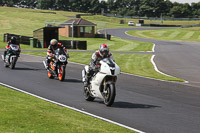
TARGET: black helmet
(13,39)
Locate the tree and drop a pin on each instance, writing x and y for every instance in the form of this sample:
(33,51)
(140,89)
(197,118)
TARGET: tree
(46,4)
(196,9)
(111,6)
(61,5)
(94,6)
(181,10)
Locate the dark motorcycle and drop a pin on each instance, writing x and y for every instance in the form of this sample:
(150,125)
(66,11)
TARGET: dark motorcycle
(11,56)
(57,64)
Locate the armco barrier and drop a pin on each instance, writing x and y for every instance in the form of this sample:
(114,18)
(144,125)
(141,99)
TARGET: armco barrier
(20,39)
(76,44)
(107,36)
(161,25)
(152,18)
(185,26)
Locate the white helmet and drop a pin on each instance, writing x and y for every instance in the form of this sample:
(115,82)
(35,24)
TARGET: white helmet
(104,50)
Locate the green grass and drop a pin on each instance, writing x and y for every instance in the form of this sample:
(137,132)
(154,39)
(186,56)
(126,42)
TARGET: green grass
(113,22)
(28,20)
(138,64)
(22,113)
(115,44)
(24,21)
(180,34)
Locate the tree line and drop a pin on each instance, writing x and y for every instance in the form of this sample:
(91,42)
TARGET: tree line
(142,8)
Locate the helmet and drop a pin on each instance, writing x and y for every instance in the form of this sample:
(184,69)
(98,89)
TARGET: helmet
(54,43)
(13,39)
(104,50)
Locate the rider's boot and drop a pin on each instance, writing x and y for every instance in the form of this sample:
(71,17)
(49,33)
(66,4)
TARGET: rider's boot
(87,79)
(4,55)
(85,82)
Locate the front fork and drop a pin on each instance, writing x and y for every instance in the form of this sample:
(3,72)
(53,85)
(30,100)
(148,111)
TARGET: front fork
(58,69)
(105,84)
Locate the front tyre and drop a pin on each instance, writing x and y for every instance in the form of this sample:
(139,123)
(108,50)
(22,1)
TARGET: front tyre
(109,94)
(87,95)
(61,74)
(13,62)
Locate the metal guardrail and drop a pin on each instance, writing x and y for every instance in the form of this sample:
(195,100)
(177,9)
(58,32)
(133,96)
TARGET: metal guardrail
(185,26)
(20,39)
(152,18)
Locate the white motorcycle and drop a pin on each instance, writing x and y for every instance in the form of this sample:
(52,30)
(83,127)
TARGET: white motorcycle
(11,56)
(102,83)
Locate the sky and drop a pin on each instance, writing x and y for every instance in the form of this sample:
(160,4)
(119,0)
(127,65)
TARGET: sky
(185,1)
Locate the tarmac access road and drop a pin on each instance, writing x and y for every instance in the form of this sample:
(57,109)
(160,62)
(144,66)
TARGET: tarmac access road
(148,105)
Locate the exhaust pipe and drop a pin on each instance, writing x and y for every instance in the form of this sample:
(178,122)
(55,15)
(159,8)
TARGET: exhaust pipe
(45,65)
(2,56)
(83,76)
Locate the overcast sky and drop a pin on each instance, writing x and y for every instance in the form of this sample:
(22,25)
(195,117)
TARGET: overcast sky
(186,1)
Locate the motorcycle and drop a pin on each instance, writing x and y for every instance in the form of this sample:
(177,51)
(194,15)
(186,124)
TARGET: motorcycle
(57,64)
(102,83)
(11,56)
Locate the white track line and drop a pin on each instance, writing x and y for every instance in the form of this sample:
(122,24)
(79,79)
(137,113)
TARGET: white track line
(154,64)
(155,67)
(84,112)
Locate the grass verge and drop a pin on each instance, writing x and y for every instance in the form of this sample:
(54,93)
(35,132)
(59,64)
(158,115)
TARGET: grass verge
(115,44)
(180,34)
(24,113)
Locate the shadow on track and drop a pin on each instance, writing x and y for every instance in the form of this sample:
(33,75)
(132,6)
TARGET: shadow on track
(73,80)
(31,69)
(132,105)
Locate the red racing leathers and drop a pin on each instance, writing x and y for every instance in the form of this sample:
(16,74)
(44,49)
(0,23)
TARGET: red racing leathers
(8,47)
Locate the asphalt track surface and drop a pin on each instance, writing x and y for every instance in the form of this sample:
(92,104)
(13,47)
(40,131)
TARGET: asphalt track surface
(177,58)
(148,105)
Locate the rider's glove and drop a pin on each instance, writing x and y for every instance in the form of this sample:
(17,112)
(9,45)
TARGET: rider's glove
(96,68)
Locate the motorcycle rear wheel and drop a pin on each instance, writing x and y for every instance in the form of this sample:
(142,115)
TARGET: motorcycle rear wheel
(5,64)
(87,95)
(109,97)
(50,75)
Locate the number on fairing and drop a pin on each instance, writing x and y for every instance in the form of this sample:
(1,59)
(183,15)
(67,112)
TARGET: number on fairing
(62,58)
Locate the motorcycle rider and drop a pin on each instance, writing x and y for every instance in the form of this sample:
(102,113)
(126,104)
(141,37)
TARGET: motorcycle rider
(54,44)
(13,40)
(94,64)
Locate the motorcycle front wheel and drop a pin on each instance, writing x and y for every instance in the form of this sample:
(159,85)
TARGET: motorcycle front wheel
(61,74)
(13,63)
(109,95)
(87,95)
